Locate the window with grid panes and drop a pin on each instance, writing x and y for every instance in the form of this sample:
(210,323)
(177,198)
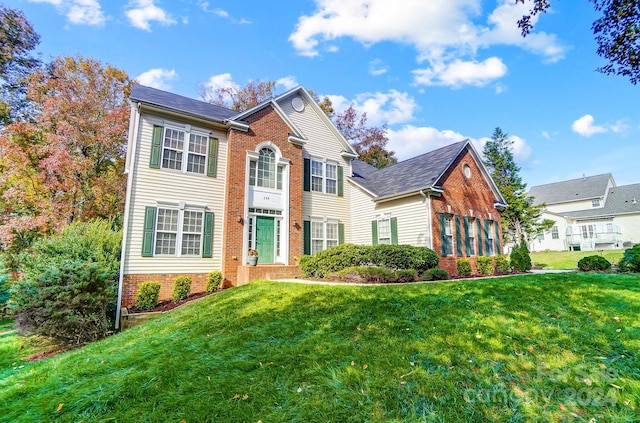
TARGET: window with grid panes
(173,151)
(384,231)
(166,232)
(448,234)
(191,232)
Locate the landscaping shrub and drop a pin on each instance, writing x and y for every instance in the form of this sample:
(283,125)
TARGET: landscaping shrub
(374,274)
(591,263)
(66,302)
(502,265)
(485,265)
(463,267)
(437,274)
(332,260)
(147,295)
(181,288)
(520,258)
(631,259)
(214,279)
(81,242)
(402,257)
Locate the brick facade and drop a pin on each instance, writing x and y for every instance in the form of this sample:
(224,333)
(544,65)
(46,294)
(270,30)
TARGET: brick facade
(461,196)
(266,125)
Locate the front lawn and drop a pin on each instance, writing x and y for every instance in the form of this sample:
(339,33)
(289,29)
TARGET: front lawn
(569,259)
(561,347)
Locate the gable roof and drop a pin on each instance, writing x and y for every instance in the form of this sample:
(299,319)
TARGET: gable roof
(177,103)
(420,173)
(584,188)
(620,200)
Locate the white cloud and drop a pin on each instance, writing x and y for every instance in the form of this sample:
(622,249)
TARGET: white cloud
(411,141)
(585,126)
(458,73)
(157,78)
(545,135)
(445,33)
(81,12)
(142,12)
(204,6)
(392,107)
(377,67)
(223,80)
(287,82)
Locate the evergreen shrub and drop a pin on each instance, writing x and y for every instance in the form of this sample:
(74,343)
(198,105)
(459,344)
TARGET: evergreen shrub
(147,295)
(181,288)
(437,274)
(485,265)
(631,260)
(502,265)
(463,267)
(214,280)
(593,263)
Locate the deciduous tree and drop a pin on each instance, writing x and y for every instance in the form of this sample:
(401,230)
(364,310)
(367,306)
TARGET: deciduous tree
(17,40)
(521,218)
(67,164)
(369,142)
(617,33)
(239,99)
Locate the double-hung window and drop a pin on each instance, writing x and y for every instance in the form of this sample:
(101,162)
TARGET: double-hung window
(324,177)
(470,229)
(178,232)
(448,236)
(490,237)
(265,172)
(384,231)
(184,150)
(324,235)
(554,232)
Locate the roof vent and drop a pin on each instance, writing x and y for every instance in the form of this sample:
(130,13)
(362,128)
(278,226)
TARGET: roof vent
(634,201)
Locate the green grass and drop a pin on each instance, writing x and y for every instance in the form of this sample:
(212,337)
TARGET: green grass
(569,259)
(560,347)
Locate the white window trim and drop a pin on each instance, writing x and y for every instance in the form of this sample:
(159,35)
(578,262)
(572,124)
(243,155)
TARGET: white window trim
(325,222)
(491,238)
(187,130)
(472,236)
(448,231)
(324,178)
(181,207)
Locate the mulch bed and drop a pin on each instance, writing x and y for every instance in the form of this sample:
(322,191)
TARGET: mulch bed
(167,305)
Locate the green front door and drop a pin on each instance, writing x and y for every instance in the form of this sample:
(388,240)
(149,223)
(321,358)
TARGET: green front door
(265,239)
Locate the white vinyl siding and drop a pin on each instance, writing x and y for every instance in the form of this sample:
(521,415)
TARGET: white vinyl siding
(150,186)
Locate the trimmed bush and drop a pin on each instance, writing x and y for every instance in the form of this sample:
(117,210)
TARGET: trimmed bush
(520,258)
(463,267)
(66,302)
(147,295)
(436,274)
(594,263)
(214,279)
(332,260)
(373,274)
(397,257)
(502,265)
(181,288)
(631,260)
(485,265)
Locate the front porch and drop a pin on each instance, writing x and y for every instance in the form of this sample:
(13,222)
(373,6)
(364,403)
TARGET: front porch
(247,273)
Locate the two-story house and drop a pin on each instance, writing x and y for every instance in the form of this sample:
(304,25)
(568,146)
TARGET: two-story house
(206,184)
(590,213)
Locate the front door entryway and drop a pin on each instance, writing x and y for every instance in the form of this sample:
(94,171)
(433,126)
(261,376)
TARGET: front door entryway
(265,238)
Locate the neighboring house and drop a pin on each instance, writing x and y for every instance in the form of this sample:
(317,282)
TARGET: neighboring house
(206,184)
(590,213)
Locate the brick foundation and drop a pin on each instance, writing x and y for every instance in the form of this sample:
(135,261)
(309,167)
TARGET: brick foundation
(130,285)
(247,274)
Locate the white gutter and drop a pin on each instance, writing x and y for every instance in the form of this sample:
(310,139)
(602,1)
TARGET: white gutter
(133,134)
(427,198)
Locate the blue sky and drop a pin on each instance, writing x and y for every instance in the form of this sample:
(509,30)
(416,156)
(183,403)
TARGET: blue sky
(437,71)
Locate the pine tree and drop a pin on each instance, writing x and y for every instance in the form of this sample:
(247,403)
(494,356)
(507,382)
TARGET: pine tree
(521,218)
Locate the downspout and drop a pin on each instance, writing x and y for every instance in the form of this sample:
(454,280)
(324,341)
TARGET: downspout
(427,198)
(133,134)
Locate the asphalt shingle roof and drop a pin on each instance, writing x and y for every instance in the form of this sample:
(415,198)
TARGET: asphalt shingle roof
(179,103)
(571,190)
(410,175)
(621,200)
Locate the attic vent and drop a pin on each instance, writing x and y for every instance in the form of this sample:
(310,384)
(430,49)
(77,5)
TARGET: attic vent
(297,104)
(634,201)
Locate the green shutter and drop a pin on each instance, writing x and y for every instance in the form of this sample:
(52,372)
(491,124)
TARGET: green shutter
(307,175)
(156,147)
(212,159)
(306,235)
(479,225)
(443,236)
(207,235)
(458,237)
(340,233)
(394,230)
(374,232)
(498,250)
(467,240)
(486,237)
(340,181)
(148,231)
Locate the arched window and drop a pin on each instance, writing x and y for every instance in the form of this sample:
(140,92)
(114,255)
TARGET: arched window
(265,169)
